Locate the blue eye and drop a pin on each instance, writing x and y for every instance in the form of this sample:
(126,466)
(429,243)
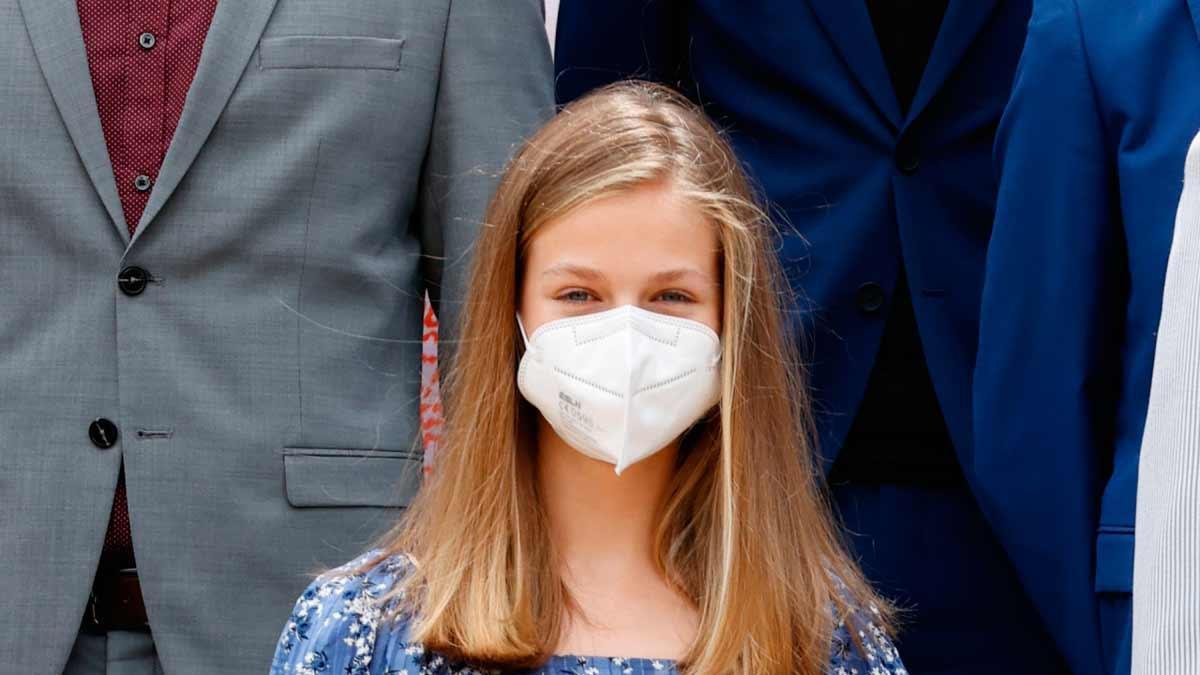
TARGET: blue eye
(674,296)
(576,296)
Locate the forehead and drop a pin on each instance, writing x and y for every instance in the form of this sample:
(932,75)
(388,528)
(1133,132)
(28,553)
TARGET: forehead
(647,228)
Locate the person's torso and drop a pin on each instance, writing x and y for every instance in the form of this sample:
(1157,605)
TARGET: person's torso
(351,621)
(899,434)
(862,186)
(267,377)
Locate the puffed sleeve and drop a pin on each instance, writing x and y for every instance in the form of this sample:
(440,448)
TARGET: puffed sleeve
(334,625)
(863,648)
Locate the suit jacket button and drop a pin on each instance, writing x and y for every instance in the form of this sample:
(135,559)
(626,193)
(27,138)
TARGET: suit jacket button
(103,433)
(908,160)
(132,280)
(871,298)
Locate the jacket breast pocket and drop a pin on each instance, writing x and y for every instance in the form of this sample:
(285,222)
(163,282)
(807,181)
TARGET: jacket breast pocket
(350,477)
(334,52)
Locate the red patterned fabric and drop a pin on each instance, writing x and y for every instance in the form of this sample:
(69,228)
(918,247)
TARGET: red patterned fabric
(140,90)
(142,55)
(431,395)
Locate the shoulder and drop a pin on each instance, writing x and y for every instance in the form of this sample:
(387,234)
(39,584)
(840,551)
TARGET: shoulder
(862,648)
(1054,25)
(335,622)
(1099,19)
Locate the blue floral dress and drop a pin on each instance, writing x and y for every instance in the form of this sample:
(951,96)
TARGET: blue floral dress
(338,628)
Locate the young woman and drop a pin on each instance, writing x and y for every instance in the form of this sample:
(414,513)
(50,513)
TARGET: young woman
(627,471)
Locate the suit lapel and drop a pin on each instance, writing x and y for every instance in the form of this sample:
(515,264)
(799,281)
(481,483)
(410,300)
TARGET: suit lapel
(963,21)
(58,43)
(1194,8)
(232,38)
(848,25)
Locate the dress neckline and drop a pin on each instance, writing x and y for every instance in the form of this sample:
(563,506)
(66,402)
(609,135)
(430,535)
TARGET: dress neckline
(626,659)
(633,664)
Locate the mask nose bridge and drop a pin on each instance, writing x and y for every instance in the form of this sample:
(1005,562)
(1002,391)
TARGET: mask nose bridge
(655,327)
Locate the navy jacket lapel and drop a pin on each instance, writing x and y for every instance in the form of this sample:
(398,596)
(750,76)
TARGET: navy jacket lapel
(1194,7)
(963,21)
(848,25)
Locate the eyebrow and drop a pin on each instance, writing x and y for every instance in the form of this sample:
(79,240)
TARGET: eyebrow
(573,270)
(591,273)
(667,276)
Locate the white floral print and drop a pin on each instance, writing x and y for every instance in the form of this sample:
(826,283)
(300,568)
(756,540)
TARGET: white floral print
(337,628)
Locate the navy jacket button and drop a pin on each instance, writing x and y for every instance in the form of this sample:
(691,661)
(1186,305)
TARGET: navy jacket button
(908,160)
(871,298)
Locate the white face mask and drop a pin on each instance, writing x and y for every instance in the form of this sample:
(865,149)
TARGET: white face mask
(622,384)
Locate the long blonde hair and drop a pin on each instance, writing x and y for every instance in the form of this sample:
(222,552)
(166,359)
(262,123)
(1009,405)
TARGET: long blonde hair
(745,532)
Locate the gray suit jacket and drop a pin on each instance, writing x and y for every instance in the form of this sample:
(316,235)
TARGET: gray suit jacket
(1166,576)
(331,156)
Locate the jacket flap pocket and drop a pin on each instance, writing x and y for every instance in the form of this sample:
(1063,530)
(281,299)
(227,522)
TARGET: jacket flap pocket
(1114,560)
(312,51)
(327,477)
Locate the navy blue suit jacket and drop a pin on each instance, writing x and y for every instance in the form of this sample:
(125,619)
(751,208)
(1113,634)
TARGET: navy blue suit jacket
(821,130)
(1091,155)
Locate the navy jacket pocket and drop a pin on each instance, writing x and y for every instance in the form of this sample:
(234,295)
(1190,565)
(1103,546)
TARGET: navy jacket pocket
(1114,560)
